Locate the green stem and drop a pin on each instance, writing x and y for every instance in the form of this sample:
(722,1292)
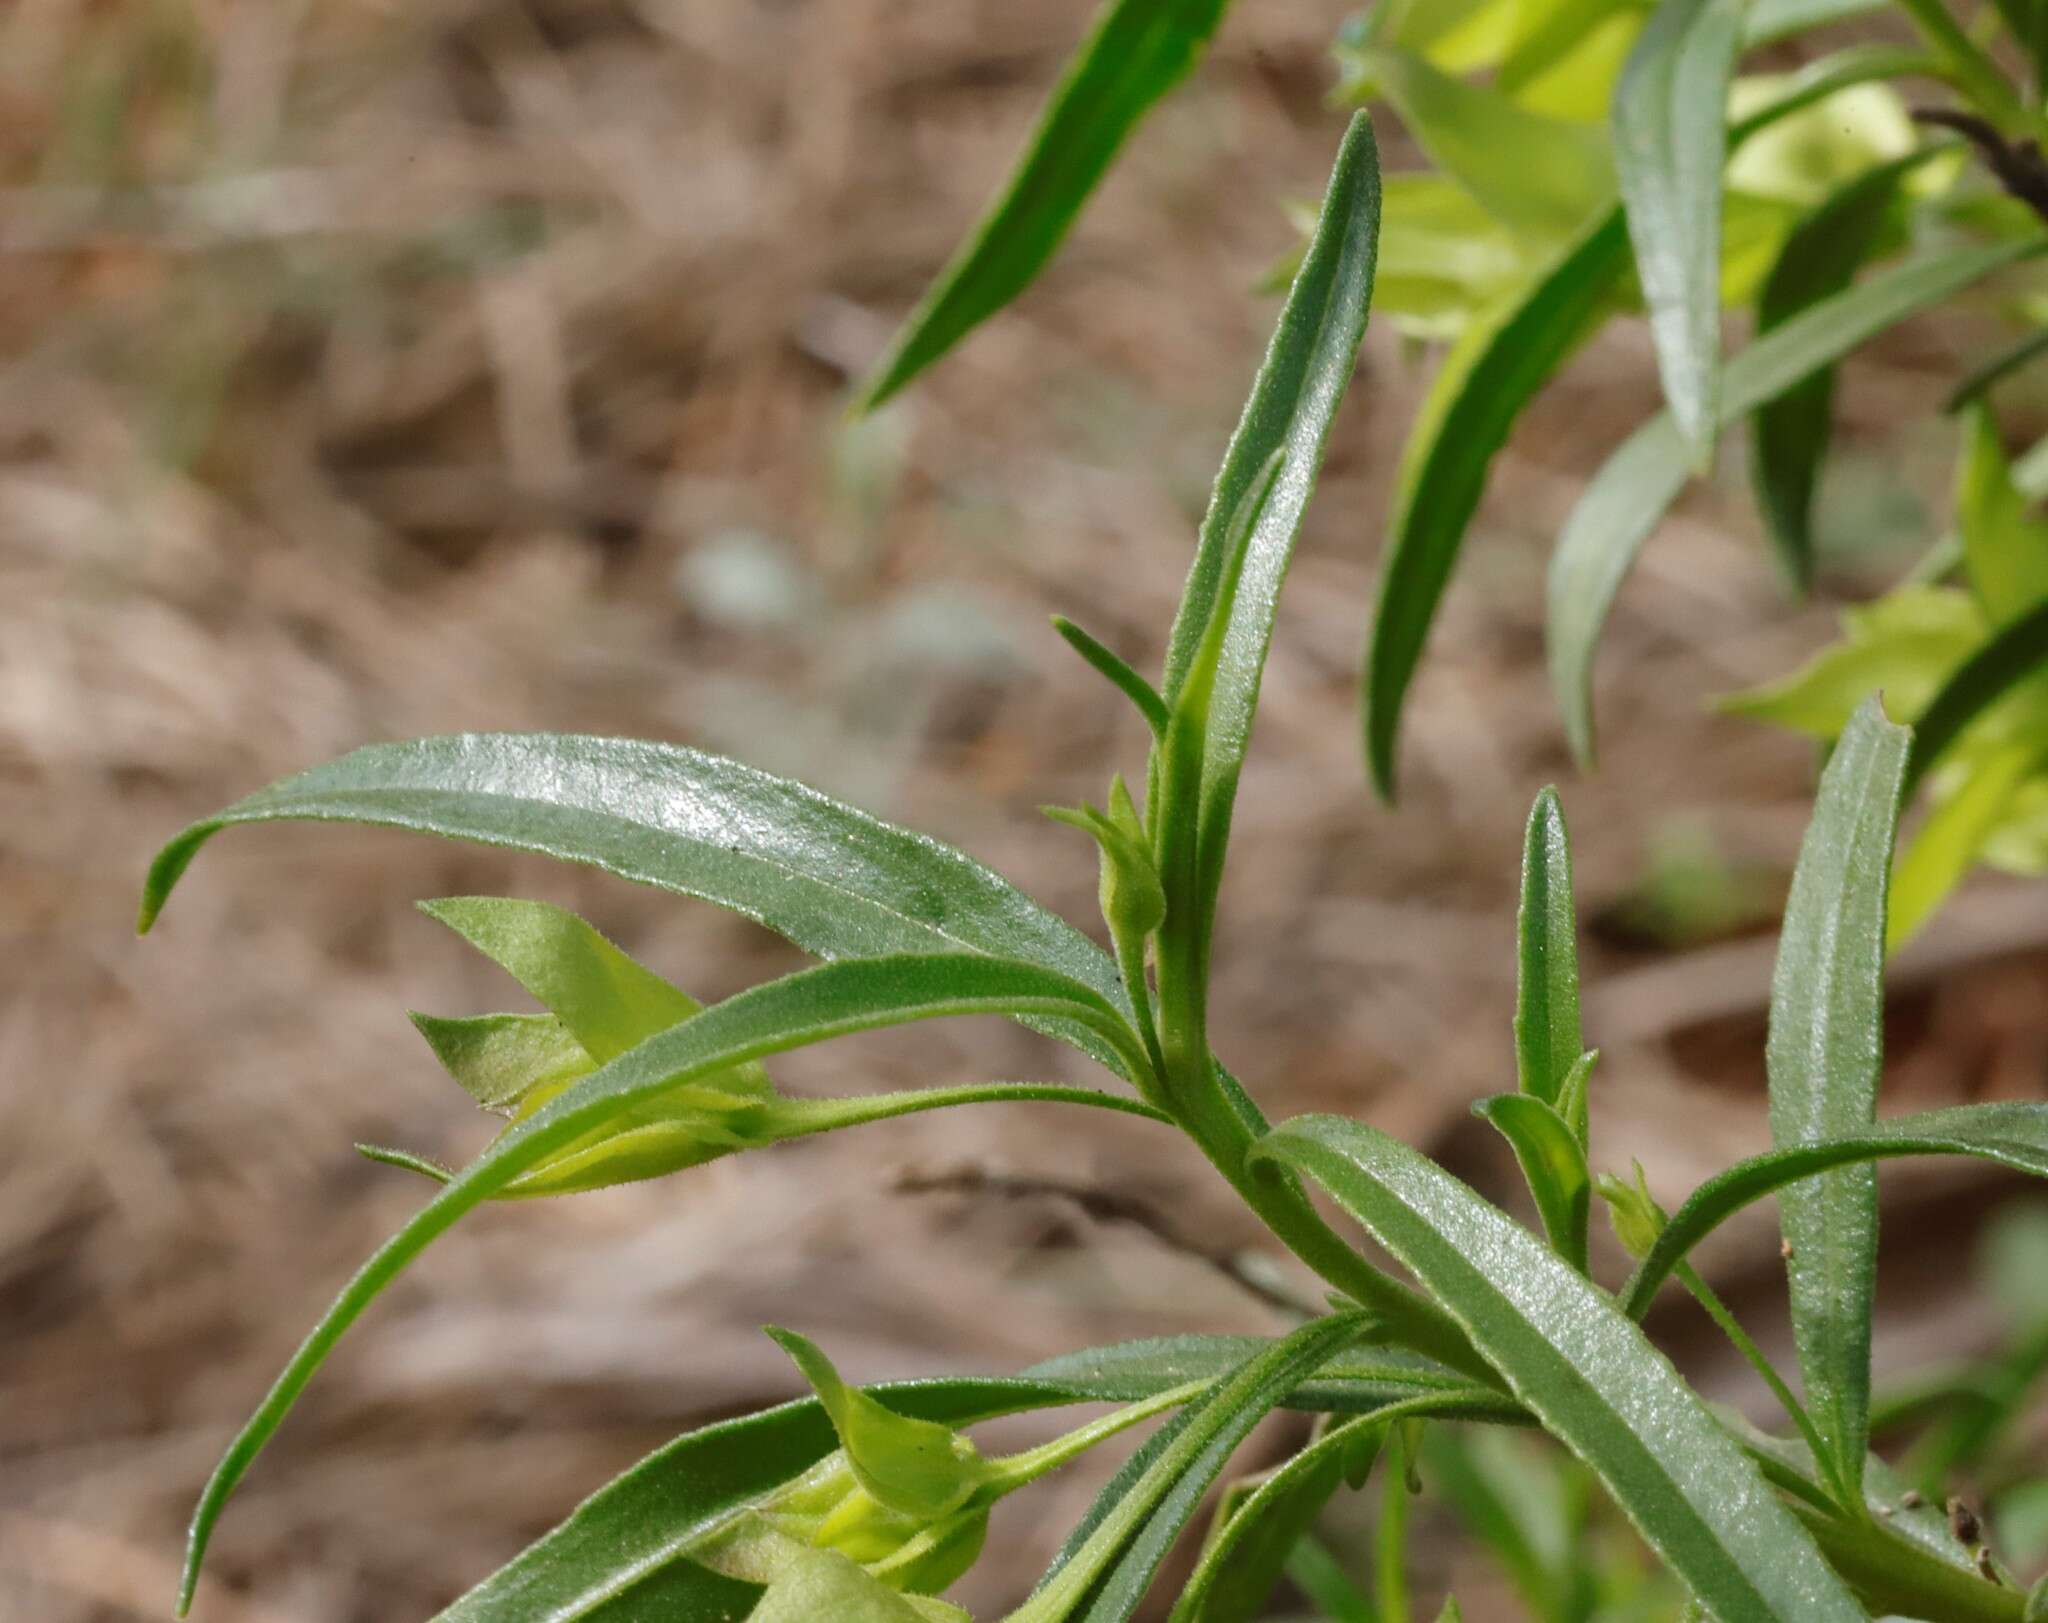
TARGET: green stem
(1390,1542)
(1013,1471)
(1970,67)
(1901,1578)
(1130,962)
(1731,1327)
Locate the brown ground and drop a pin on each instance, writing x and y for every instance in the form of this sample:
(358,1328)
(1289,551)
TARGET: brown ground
(373,370)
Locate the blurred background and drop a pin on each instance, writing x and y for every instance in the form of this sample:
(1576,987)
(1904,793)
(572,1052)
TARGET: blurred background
(373,369)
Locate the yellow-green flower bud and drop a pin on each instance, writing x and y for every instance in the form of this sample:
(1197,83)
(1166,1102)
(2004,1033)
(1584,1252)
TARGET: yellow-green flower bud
(1637,1218)
(1133,900)
(917,1468)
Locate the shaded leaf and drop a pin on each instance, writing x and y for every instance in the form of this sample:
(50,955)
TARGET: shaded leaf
(1789,435)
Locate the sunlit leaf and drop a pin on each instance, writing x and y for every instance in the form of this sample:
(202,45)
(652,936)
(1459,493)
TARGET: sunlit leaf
(1541,176)
(1632,491)
(1906,645)
(834,880)
(2005,548)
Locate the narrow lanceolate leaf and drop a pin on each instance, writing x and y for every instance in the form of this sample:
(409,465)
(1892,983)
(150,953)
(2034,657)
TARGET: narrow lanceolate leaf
(1138,50)
(1295,396)
(1246,1558)
(1335,289)
(811,1006)
(1637,484)
(1824,1053)
(2012,1134)
(832,879)
(1585,1371)
(1789,435)
(1548,1040)
(1358,1380)
(1473,402)
(1553,1164)
(1670,137)
(1106,1566)
(625,1545)
(1479,393)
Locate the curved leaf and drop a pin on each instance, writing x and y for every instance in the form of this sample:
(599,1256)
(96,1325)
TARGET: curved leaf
(1336,280)
(808,1007)
(832,879)
(1357,1381)
(1553,1164)
(608,1002)
(1294,398)
(2013,1134)
(1137,52)
(1670,137)
(1824,1053)
(1632,490)
(1789,435)
(1474,400)
(617,1546)
(1586,1372)
(1244,1562)
(1480,391)
(1105,1568)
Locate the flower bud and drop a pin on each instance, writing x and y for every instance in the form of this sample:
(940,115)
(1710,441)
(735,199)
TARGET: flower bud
(1133,900)
(1637,1218)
